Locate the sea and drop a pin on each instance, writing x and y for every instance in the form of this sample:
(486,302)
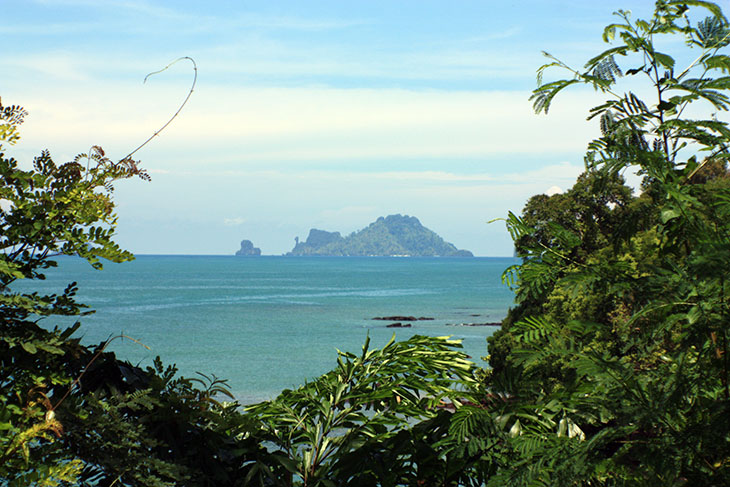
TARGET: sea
(268,323)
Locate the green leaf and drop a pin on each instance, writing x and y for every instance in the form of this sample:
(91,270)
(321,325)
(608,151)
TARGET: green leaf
(609,32)
(665,106)
(663,60)
(694,315)
(633,71)
(608,53)
(542,97)
(718,61)
(712,7)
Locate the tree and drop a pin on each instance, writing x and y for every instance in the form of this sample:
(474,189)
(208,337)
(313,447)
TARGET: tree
(615,361)
(49,210)
(73,413)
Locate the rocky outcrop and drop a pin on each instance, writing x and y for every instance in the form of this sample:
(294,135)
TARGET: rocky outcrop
(394,235)
(493,323)
(402,318)
(317,239)
(248,250)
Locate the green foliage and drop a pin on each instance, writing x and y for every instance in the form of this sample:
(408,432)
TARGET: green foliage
(37,219)
(70,414)
(615,359)
(326,432)
(151,428)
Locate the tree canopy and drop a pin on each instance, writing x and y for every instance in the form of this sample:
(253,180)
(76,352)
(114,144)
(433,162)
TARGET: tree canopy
(617,345)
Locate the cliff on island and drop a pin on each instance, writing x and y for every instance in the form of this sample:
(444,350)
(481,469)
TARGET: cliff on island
(248,250)
(394,235)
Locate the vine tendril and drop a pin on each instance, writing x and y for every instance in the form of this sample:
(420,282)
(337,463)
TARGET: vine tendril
(192,88)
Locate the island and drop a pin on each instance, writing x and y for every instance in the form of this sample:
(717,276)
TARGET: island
(391,236)
(248,250)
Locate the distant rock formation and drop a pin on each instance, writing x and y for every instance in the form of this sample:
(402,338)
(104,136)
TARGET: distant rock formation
(248,250)
(394,235)
(320,238)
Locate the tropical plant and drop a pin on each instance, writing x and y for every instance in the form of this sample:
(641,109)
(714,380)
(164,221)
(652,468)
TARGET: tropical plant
(615,362)
(326,432)
(74,414)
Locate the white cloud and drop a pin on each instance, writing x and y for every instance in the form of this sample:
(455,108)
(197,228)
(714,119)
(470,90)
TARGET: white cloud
(57,65)
(141,7)
(234,125)
(234,222)
(281,204)
(48,29)
(288,22)
(562,171)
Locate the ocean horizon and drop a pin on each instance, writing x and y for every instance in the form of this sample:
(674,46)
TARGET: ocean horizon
(272,322)
(383,257)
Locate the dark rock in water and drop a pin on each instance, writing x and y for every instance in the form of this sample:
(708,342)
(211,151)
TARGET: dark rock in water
(399,325)
(474,324)
(248,250)
(402,318)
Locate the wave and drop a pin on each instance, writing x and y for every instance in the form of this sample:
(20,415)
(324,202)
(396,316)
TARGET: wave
(292,299)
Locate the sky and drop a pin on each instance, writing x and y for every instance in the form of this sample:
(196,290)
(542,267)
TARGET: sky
(306,114)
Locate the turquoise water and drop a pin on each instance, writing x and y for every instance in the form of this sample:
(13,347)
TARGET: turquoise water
(269,323)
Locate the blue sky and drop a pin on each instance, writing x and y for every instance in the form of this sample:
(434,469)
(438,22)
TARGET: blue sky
(306,114)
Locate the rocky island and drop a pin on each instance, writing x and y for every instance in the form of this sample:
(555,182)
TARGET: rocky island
(391,236)
(248,250)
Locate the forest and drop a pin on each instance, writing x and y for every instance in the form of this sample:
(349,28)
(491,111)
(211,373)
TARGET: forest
(611,368)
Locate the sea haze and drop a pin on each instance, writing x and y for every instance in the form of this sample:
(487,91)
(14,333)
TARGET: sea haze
(268,323)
